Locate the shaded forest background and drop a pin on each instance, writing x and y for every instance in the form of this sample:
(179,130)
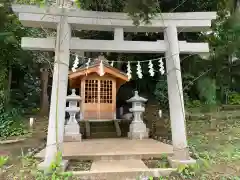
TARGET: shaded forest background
(25,76)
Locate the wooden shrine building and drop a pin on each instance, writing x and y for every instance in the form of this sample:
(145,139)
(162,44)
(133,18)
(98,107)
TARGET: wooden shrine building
(98,91)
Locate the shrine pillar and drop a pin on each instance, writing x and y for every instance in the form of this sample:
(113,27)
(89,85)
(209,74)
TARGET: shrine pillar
(175,95)
(59,93)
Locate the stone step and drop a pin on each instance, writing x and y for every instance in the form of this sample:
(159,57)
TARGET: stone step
(113,148)
(103,129)
(124,126)
(101,123)
(99,130)
(106,127)
(113,165)
(230,107)
(103,135)
(131,169)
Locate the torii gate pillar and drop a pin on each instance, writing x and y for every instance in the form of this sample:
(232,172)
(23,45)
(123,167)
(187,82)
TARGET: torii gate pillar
(175,96)
(59,93)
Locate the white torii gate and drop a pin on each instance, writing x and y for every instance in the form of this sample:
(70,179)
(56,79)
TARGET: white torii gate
(64,20)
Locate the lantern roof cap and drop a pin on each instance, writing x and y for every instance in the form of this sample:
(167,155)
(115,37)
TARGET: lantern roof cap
(136,98)
(73,96)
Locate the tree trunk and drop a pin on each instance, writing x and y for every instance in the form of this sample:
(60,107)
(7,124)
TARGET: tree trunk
(119,64)
(8,87)
(44,108)
(9,79)
(237,5)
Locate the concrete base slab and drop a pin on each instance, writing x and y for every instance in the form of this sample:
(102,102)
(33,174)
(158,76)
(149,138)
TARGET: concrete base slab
(72,127)
(44,166)
(113,165)
(116,148)
(138,130)
(138,135)
(73,138)
(122,157)
(126,174)
(175,163)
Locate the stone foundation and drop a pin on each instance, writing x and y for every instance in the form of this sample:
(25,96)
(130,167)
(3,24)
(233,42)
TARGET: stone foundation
(175,163)
(72,133)
(73,138)
(138,130)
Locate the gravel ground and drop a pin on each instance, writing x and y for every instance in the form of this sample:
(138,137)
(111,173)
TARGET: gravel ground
(77,165)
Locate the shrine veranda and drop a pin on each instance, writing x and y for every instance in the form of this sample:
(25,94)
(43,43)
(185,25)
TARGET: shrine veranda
(67,19)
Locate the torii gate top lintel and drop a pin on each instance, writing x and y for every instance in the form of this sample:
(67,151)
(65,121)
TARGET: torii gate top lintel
(33,16)
(107,21)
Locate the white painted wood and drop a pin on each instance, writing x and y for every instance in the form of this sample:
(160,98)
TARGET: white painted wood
(59,93)
(39,44)
(116,46)
(98,24)
(77,45)
(175,93)
(155,26)
(17,8)
(39,20)
(33,16)
(115,15)
(118,34)
(191,48)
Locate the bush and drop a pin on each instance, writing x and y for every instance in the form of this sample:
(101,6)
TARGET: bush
(234,98)
(11,123)
(207,90)
(161,93)
(3,161)
(194,104)
(207,93)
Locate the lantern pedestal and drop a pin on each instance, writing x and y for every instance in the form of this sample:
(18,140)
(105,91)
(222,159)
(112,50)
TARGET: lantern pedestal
(73,138)
(137,129)
(72,128)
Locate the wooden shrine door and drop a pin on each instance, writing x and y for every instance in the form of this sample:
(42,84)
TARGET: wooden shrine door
(100,98)
(90,106)
(107,98)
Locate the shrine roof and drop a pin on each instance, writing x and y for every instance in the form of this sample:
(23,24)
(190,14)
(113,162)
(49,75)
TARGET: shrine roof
(94,67)
(95,62)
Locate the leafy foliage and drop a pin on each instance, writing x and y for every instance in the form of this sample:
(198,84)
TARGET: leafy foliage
(195,104)
(207,90)
(234,98)
(18,84)
(3,161)
(11,123)
(55,172)
(161,93)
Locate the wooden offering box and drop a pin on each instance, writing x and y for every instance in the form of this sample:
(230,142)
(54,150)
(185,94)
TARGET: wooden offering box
(98,92)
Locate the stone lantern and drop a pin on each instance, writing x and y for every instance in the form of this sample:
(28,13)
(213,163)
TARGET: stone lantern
(137,129)
(72,128)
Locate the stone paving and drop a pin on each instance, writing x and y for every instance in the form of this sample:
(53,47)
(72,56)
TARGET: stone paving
(116,158)
(92,149)
(111,166)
